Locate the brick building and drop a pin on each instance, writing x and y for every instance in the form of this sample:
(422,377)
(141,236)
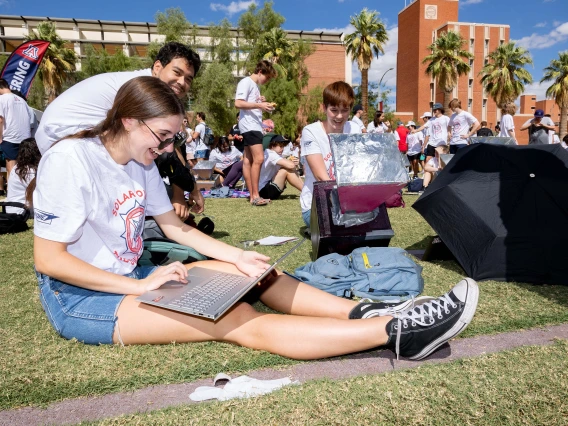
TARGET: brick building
(419,24)
(327,64)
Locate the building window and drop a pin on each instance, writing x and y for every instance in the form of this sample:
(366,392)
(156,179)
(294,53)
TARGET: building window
(484,103)
(471,82)
(501,42)
(486,43)
(486,61)
(472,42)
(471,63)
(469,103)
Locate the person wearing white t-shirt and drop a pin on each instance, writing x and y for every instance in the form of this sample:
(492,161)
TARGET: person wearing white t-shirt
(225,156)
(378,124)
(432,166)
(86,104)
(22,180)
(414,141)
(437,131)
(15,124)
(251,105)
(201,148)
(357,114)
(315,147)
(94,189)
(507,125)
(461,127)
(275,169)
(538,128)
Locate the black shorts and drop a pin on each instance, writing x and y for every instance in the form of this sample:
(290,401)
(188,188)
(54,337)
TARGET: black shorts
(430,151)
(252,138)
(271,191)
(413,157)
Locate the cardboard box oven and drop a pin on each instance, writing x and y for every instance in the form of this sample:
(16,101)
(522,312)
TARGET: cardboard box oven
(204,170)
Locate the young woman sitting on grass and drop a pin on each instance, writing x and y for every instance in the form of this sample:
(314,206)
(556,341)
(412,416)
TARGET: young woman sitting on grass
(94,189)
(22,177)
(226,157)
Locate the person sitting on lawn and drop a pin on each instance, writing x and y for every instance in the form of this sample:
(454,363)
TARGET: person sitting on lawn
(338,99)
(276,171)
(433,166)
(225,157)
(86,250)
(22,177)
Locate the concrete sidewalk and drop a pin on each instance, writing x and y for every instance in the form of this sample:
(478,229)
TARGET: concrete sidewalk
(374,362)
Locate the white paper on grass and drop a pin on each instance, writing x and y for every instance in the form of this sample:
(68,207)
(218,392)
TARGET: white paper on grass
(275,241)
(239,387)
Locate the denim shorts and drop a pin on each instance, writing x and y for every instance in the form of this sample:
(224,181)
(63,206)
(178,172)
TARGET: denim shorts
(306,216)
(86,315)
(202,153)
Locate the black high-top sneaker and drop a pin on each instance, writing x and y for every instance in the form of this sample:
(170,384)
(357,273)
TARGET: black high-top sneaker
(369,309)
(418,332)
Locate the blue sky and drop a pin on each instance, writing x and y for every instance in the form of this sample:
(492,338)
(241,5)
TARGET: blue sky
(539,25)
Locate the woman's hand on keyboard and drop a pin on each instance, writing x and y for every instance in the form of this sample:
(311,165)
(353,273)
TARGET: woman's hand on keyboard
(252,264)
(175,271)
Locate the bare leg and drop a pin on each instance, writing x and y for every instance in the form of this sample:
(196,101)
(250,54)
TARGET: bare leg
(427,178)
(256,159)
(320,337)
(10,164)
(247,161)
(295,181)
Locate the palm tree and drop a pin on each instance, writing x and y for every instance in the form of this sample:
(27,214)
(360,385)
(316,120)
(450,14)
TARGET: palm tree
(276,45)
(366,42)
(557,72)
(57,62)
(447,63)
(504,75)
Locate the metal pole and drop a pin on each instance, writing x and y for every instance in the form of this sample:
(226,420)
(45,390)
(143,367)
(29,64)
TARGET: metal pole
(380,81)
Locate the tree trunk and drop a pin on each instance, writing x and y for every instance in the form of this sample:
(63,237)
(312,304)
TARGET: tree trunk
(365,94)
(447,99)
(563,121)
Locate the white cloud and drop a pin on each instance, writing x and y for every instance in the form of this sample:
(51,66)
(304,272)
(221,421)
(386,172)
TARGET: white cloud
(468,2)
(538,89)
(542,41)
(541,24)
(231,8)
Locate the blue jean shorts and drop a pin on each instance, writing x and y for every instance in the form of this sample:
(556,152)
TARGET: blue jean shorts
(202,153)
(86,315)
(306,216)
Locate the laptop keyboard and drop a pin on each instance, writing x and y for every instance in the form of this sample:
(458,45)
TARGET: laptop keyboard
(207,294)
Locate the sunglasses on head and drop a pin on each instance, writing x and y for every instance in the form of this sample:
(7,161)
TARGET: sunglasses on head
(178,139)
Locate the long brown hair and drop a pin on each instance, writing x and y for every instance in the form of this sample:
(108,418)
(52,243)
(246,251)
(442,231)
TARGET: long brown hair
(141,98)
(26,164)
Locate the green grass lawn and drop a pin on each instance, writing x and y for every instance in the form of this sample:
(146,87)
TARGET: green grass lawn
(527,386)
(39,367)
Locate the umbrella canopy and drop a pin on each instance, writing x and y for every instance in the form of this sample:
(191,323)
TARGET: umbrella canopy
(503,212)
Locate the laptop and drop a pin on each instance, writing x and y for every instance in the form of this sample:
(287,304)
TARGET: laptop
(208,293)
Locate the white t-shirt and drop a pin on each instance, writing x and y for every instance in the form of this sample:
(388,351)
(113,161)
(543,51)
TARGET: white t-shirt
(190,144)
(249,119)
(414,141)
(555,138)
(381,128)
(269,168)
(17,190)
(359,122)
(84,198)
(507,124)
(81,106)
(17,120)
(315,140)
(225,159)
(290,150)
(460,124)
(200,144)
(438,130)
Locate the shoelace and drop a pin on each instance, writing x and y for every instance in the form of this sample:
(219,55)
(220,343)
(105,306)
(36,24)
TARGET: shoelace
(421,315)
(391,309)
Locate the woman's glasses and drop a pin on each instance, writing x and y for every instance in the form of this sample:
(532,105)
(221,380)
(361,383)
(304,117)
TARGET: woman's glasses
(178,139)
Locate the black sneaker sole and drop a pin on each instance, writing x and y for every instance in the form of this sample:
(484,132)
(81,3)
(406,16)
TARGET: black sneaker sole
(471,300)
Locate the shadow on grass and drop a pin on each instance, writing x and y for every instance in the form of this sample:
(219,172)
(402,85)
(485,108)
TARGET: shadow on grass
(555,293)
(220,234)
(289,197)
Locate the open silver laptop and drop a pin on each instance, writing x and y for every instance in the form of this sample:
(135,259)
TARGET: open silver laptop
(208,293)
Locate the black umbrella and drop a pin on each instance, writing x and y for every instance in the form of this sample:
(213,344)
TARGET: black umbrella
(503,212)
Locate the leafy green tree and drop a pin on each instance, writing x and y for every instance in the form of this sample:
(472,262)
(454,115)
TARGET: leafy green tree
(100,61)
(173,25)
(221,47)
(447,62)
(285,116)
(213,93)
(557,72)
(253,24)
(57,62)
(504,75)
(366,42)
(311,106)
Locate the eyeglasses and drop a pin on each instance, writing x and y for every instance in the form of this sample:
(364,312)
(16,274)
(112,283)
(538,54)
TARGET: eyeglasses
(178,139)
